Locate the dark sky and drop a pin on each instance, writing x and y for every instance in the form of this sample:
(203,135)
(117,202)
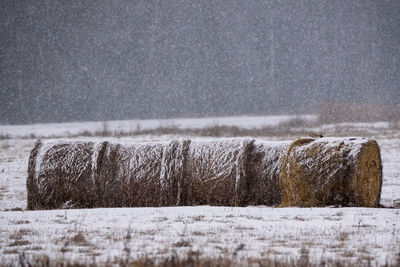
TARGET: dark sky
(97,60)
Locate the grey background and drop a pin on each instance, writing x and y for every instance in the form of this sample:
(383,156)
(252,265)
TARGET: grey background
(103,60)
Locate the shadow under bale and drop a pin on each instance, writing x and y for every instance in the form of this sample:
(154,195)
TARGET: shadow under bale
(331,171)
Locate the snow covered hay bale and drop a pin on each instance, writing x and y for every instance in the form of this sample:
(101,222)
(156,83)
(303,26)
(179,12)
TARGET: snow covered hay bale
(332,171)
(75,174)
(216,172)
(265,164)
(61,174)
(142,174)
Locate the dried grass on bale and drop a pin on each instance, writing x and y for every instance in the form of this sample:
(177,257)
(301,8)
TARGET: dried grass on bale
(142,174)
(233,172)
(332,171)
(60,174)
(71,174)
(173,182)
(125,168)
(265,164)
(216,172)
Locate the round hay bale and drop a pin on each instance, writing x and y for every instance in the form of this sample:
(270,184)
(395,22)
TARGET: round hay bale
(331,171)
(130,175)
(234,172)
(141,174)
(74,174)
(216,172)
(265,164)
(60,174)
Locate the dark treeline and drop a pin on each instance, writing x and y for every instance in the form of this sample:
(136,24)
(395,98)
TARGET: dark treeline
(99,60)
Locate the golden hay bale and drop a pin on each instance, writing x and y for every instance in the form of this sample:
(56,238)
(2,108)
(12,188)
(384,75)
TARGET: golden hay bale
(60,174)
(265,164)
(216,172)
(332,171)
(141,174)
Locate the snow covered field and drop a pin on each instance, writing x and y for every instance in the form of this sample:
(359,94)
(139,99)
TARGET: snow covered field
(106,235)
(357,235)
(67,129)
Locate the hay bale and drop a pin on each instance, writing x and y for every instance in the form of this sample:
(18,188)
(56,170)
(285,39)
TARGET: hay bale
(331,171)
(265,164)
(129,174)
(141,174)
(74,174)
(216,172)
(60,174)
(234,172)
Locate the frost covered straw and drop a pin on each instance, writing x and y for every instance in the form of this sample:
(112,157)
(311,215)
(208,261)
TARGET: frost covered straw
(331,171)
(75,174)
(233,172)
(142,174)
(61,174)
(265,163)
(217,172)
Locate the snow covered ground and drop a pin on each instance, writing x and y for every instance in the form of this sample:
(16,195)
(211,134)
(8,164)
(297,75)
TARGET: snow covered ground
(67,129)
(106,235)
(356,235)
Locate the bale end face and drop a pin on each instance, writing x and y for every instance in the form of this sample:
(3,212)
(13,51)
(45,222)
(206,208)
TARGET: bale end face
(368,176)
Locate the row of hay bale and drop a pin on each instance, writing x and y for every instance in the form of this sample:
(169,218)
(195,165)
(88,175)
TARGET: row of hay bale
(230,172)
